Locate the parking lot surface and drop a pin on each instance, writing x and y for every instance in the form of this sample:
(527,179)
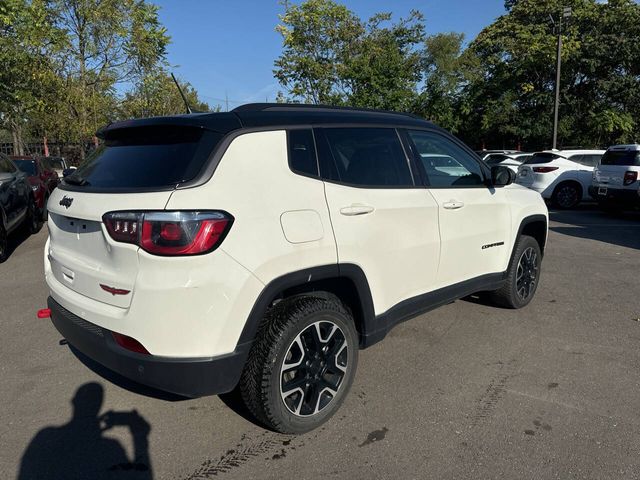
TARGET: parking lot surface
(465,391)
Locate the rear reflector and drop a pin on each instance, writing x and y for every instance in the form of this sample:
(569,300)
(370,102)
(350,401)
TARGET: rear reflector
(129,343)
(170,233)
(544,169)
(44,313)
(630,177)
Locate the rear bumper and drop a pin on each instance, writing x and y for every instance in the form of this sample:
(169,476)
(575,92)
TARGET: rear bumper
(616,196)
(190,377)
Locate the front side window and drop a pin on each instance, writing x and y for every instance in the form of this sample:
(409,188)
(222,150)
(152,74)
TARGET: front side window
(371,157)
(445,163)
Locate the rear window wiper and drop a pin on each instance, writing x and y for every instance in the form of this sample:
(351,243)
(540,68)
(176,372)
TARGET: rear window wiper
(76,180)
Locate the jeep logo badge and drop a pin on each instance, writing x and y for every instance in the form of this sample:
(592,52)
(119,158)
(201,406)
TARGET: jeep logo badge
(66,201)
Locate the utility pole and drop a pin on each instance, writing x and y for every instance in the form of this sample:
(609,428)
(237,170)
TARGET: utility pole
(566,14)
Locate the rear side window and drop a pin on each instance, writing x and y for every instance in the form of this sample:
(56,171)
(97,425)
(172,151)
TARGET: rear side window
(371,157)
(541,157)
(302,152)
(146,158)
(626,158)
(588,160)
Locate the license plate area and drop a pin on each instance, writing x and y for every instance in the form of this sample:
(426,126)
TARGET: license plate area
(602,190)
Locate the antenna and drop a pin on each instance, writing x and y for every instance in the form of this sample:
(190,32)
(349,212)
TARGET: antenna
(184,99)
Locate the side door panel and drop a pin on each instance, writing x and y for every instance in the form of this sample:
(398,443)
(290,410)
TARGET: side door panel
(390,231)
(474,219)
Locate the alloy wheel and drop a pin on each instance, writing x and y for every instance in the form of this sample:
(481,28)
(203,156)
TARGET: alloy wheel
(314,368)
(567,196)
(527,273)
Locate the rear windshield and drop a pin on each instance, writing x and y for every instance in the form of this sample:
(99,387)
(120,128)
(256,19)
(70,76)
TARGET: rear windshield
(146,158)
(541,157)
(27,166)
(625,158)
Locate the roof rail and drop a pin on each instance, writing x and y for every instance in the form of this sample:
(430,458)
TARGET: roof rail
(289,107)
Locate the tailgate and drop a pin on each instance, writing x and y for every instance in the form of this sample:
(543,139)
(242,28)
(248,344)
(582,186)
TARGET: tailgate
(83,256)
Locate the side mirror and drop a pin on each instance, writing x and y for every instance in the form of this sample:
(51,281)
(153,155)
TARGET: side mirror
(501,176)
(68,171)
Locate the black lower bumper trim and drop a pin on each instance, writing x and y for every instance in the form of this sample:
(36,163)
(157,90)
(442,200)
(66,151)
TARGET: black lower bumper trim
(190,377)
(616,196)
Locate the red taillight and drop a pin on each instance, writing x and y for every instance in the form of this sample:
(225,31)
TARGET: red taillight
(630,177)
(544,169)
(129,343)
(169,233)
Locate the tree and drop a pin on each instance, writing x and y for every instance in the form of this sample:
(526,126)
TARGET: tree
(107,42)
(331,56)
(28,40)
(156,95)
(512,98)
(447,70)
(316,36)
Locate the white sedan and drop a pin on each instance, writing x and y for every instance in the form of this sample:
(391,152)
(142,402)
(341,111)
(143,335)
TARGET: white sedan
(562,176)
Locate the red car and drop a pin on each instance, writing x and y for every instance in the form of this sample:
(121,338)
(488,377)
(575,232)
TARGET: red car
(42,178)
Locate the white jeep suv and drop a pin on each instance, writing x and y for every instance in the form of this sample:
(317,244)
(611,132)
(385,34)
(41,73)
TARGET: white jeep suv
(261,248)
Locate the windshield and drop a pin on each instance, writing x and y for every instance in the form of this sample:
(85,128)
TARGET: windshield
(27,166)
(627,158)
(146,158)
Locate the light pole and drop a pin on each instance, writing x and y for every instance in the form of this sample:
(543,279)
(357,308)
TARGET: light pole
(566,14)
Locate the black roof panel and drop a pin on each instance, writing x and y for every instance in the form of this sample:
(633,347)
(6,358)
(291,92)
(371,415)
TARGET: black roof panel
(275,114)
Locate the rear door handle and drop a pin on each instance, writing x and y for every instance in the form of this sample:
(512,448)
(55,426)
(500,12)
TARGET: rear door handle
(356,209)
(453,205)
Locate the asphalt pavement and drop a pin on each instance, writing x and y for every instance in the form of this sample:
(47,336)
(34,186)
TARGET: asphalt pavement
(467,391)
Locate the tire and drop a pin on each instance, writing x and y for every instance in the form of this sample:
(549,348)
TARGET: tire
(523,275)
(33,220)
(298,344)
(567,195)
(4,243)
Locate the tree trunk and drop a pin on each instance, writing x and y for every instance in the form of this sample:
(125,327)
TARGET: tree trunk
(16,133)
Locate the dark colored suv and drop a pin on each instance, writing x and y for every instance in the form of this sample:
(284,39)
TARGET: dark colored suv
(17,205)
(42,178)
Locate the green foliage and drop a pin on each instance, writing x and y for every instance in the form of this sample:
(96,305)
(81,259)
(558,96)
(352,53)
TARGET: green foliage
(600,92)
(156,95)
(330,56)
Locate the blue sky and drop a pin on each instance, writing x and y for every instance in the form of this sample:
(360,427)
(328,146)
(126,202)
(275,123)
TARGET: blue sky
(226,48)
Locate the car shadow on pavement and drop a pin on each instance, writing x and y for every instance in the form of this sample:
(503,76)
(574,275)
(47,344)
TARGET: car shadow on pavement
(79,449)
(232,400)
(622,229)
(17,238)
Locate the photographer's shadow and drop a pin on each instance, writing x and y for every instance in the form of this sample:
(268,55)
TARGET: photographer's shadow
(79,450)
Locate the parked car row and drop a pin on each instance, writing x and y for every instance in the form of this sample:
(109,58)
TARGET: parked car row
(25,186)
(568,177)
